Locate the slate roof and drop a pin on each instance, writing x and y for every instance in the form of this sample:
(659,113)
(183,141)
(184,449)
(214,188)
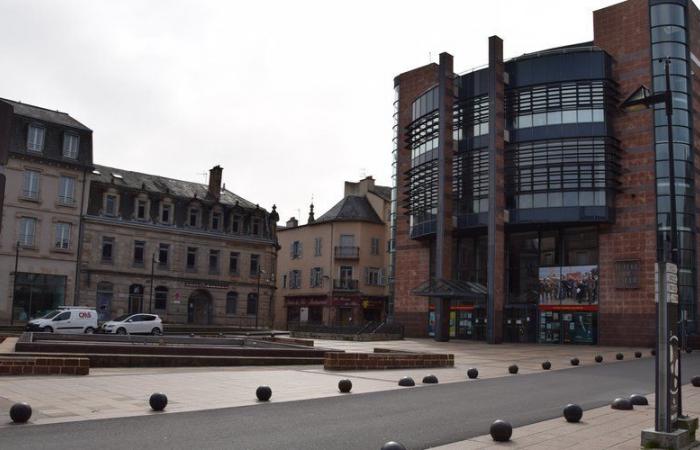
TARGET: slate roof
(44,115)
(382,191)
(351,207)
(160,184)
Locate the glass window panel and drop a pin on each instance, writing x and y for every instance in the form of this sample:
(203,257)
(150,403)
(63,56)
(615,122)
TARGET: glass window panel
(599,198)
(554,118)
(667,14)
(584,115)
(525,201)
(568,116)
(668,49)
(585,198)
(539,200)
(598,115)
(554,199)
(668,33)
(525,121)
(677,67)
(571,198)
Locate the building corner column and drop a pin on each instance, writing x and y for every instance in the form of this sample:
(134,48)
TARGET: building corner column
(444,226)
(496,215)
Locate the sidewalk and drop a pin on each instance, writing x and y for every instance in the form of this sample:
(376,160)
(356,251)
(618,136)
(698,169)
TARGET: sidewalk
(600,428)
(108,393)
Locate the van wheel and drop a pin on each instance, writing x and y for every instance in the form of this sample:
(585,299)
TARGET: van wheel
(47,330)
(121,331)
(89,330)
(156,332)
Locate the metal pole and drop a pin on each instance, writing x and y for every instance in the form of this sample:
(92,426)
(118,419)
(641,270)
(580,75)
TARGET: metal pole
(150,299)
(14,285)
(257,300)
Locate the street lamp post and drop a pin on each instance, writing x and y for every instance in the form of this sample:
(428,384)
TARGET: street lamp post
(665,378)
(14,285)
(257,299)
(150,298)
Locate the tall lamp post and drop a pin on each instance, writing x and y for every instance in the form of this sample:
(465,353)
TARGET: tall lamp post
(154,260)
(14,284)
(668,384)
(257,299)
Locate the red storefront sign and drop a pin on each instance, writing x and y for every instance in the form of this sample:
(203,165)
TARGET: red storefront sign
(587,308)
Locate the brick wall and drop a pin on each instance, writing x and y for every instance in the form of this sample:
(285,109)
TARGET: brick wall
(44,366)
(386,360)
(412,257)
(627,315)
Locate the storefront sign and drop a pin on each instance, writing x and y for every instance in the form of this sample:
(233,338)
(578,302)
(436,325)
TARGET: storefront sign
(627,274)
(206,284)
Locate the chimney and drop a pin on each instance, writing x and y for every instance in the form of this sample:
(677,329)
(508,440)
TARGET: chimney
(292,223)
(215,181)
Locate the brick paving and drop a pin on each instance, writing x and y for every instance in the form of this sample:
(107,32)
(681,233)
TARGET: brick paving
(600,428)
(108,393)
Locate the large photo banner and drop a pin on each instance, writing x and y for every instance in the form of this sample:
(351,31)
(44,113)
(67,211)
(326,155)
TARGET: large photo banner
(568,285)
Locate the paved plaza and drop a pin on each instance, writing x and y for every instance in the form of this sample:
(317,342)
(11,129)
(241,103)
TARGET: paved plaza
(109,393)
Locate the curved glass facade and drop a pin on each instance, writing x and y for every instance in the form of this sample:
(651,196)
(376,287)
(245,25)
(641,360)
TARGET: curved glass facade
(669,40)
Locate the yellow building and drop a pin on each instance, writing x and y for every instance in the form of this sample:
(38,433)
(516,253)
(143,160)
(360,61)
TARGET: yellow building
(333,270)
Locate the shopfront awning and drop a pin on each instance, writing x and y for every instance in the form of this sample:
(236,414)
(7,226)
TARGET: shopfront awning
(443,288)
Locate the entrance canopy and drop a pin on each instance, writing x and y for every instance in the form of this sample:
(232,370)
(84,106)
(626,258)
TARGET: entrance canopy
(443,288)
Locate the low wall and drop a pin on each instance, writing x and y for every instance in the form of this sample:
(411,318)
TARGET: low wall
(366,337)
(386,360)
(23,365)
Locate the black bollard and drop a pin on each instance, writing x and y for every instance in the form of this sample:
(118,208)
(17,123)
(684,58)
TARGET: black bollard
(263,393)
(696,381)
(574,361)
(513,369)
(430,379)
(158,401)
(345,386)
(407,382)
(546,365)
(599,358)
(472,373)
(637,354)
(638,400)
(573,413)
(20,412)
(501,431)
(622,403)
(393,445)
(619,357)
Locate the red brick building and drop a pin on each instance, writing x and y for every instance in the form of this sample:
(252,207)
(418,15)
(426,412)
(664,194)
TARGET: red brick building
(530,207)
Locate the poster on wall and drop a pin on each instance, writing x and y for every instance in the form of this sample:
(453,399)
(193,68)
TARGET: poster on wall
(569,285)
(431,323)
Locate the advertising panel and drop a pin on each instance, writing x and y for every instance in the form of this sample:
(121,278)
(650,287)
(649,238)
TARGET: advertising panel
(569,285)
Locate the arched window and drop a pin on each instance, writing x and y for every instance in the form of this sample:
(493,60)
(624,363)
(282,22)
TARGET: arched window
(231,302)
(252,304)
(135,298)
(161,297)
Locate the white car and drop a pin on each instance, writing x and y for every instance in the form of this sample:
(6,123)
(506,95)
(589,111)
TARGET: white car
(66,319)
(134,324)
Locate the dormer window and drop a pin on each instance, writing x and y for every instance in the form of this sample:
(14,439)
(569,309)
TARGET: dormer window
(71,143)
(216,220)
(255,226)
(141,209)
(166,213)
(111,205)
(193,219)
(35,138)
(236,224)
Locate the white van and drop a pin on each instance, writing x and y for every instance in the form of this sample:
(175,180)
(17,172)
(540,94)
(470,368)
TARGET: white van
(66,319)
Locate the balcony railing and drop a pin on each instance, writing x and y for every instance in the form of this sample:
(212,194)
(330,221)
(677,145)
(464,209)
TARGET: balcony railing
(345,285)
(347,252)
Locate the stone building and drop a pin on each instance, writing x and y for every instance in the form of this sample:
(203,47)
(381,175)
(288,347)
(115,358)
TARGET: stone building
(44,158)
(190,252)
(530,207)
(332,270)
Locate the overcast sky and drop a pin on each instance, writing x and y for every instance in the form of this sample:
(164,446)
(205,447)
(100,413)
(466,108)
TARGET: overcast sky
(292,97)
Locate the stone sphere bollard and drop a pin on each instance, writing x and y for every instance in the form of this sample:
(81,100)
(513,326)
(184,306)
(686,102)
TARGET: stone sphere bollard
(574,361)
(501,431)
(696,381)
(619,357)
(638,354)
(345,386)
(598,358)
(430,379)
(621,403)
(393,445)
(513,369)
(573,413)
(472,373)
(20,412)
(407,382)
(546,365)
(638,400)
(158,401)
(263,393)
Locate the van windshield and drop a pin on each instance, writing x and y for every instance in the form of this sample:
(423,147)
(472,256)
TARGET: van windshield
(51,314)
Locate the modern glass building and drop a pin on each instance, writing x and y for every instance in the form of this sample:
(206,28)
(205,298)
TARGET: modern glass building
(530,206)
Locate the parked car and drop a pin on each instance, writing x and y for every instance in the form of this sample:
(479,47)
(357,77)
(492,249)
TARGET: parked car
(134,324)
(66,319)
